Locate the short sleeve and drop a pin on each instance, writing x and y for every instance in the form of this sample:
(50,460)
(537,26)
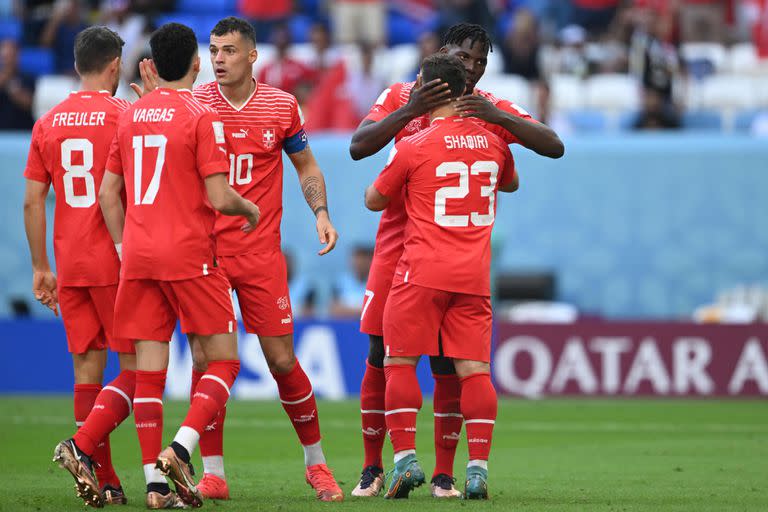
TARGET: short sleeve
(297,119)
(115,159)
(296,139)
(36,169)
(507,171)
(515,110)
(211,152)
(392,179)
(386,103)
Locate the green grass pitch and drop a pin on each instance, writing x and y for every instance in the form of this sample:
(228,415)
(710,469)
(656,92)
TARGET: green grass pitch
(579,455)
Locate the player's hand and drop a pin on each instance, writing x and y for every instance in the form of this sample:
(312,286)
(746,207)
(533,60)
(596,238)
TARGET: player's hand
(477,106)
(326,233)
(425,97)
(252,218)
(149,78)
(44,288)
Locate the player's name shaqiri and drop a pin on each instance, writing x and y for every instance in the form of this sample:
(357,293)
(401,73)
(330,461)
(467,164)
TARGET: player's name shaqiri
(465,142)
(79,118)
(153,115)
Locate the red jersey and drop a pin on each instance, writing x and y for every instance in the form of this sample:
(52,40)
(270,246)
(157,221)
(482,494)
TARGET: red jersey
(389,238)
(269,122)
(69,148)
(167,144)
(449,173)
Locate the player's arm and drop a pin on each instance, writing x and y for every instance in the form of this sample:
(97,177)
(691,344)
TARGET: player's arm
(43,279)
(535,136)
(375,200)
(226,201)
(313,186)
(510,180)
(372,135)
(111,203)
(391,180)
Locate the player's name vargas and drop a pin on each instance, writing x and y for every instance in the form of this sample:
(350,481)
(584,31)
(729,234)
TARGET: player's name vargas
(153,115)
(79,118)
(465,142)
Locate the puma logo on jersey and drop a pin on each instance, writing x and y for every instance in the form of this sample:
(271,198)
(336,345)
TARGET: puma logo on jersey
(286,320)
(243,133)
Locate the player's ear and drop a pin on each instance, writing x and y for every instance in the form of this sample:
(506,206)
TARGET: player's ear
(114,66)
(196,64)
(444,49)
(253,55)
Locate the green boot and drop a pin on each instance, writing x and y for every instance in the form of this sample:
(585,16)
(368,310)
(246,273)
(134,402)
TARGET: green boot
(406,476)
(476,485)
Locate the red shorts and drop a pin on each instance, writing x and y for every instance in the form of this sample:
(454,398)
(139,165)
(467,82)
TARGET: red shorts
(376,292)
(88,313)
(261,282)
(147,309)
(415,315)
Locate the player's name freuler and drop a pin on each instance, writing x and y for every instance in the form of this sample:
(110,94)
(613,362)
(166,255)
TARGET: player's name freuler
(79,118)
(465,142)
(153,115)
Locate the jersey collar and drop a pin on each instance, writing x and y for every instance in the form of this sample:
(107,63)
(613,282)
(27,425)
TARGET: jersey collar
(255,90)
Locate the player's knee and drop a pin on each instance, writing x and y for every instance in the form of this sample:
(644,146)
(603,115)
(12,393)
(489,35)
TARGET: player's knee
(127,361)
(376,351)
(281,364)
(442,365)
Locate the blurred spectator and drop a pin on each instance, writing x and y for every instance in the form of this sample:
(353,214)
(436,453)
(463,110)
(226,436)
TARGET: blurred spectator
(16,90)
(285,72)
(359,20)
(325,56)
(59,34)
(653,59)
(520,51)
(594,15)
(363,85)
(760,28)
(452,12)
(429,43)
(702,21)
(656,114)
(302,291)
(34,15)
(265,15)
(572,58)
(349,289)
(119,16)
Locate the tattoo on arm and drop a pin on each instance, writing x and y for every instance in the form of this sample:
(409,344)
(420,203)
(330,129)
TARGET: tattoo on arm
(314,192)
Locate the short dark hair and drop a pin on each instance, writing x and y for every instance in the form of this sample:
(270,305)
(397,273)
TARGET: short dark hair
(447,68)
(95,47)
(234,24)
(173,47)
(460,32)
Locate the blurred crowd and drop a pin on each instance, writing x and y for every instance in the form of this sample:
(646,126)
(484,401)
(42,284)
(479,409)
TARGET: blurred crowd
(336,56)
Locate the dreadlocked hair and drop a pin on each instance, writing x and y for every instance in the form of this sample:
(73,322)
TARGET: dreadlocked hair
(458,33)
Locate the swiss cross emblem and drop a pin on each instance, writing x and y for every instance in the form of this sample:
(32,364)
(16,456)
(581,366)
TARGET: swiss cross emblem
(268,135)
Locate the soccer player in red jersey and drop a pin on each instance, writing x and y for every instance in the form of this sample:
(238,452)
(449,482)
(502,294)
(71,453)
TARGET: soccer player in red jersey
(260,122)
(447,175)
(69,148)
(402,110)
(169,156)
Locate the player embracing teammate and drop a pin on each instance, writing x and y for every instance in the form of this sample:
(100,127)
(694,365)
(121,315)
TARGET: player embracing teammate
(403,110)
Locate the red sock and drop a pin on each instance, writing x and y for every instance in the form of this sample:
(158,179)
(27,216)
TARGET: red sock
(112,406)
(212,438)
(85,397)
(448,421)
(478,405)
(298,400)
(372,414)
(402,401)
(211,394)
(148,413)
